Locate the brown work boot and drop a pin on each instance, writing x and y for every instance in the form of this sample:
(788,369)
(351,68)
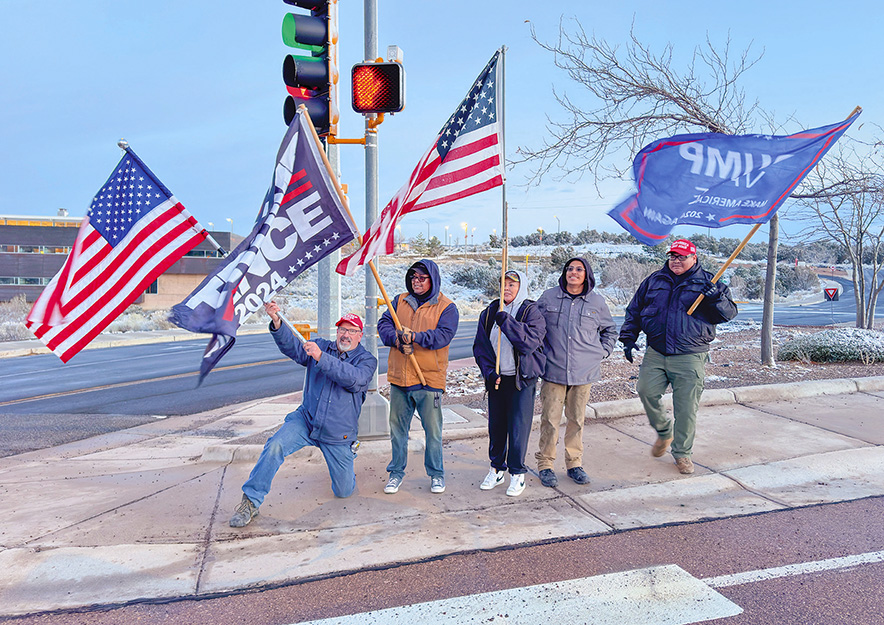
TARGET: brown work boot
(684,465)
(660,446)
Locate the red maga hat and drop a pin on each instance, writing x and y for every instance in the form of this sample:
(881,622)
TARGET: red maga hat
(682,247)
(356,320)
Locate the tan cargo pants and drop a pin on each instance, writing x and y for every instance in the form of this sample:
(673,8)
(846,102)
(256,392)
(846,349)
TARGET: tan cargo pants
(573,399)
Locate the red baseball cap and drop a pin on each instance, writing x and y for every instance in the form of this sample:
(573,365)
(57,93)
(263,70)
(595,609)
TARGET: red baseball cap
(355,319)
(683,247)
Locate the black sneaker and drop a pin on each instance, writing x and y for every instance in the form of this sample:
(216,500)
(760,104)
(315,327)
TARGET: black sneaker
(578,475)
(244,513)
(548,478)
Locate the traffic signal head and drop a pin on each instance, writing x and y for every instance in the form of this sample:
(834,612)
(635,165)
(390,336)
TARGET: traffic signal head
(312,79)
(378,87)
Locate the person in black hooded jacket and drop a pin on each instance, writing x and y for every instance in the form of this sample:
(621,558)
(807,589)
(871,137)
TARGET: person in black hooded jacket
(678,345)
(517,331)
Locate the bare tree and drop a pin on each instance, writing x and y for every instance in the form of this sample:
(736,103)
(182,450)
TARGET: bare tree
(636,96)
(843,198)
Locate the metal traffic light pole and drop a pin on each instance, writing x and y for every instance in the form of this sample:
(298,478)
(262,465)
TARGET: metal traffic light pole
(374,420)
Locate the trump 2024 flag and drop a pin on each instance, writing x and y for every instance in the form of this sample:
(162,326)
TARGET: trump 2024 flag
(134,231)
(302,220)
(466,158)
(713,180)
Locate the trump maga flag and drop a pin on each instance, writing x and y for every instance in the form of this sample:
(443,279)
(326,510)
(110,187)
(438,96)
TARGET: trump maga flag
(301,221)
(466,158)
(134,231)
(714,180)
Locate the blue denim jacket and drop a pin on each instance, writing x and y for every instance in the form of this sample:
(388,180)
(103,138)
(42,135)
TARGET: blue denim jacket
(334,387)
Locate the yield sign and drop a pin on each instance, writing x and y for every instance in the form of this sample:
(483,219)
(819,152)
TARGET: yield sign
(832,294)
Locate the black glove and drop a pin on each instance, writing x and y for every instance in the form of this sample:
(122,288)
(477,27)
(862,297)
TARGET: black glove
(405,335)
(627,350)
(491,381)
(710,291)
(500,317)
(405,348)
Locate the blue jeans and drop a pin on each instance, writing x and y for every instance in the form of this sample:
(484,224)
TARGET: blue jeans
(429,407)
(510,413)
(292,436)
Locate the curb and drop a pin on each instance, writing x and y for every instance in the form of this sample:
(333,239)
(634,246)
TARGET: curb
(617,409)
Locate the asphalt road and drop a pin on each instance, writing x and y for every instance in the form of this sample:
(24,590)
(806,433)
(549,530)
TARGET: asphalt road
(44,402)
(796,566)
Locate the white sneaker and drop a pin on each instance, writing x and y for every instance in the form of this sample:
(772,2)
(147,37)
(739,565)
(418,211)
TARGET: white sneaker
(493,478)
(437,485)
(517,485)
(393,485)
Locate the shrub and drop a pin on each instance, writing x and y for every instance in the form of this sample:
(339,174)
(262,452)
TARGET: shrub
(559,256)
(484,278)
(621,276)
(747,283)
(12,319)
(837,345)
(791,279)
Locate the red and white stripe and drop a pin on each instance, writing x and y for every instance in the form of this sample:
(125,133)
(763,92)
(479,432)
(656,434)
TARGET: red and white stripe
(474,164)
(98,281)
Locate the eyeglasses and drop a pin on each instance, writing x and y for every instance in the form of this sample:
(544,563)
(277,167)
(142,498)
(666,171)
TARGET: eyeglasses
(419,278)
(679,257)
(350,331)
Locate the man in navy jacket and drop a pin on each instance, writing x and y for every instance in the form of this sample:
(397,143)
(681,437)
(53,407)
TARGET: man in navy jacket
(678,345)
(338,375)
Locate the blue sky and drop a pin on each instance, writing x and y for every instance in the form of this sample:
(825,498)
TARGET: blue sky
(196,89)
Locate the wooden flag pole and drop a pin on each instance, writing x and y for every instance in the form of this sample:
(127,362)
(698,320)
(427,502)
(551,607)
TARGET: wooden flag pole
(743,244)
(720,272)
(503,257)
(346,204)
(503,264)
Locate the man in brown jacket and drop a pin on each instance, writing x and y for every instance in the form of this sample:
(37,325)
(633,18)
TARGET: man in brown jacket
(429,323)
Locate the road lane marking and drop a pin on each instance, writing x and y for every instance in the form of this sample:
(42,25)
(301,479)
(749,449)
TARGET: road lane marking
(802,568)
(136,382)
(662,595)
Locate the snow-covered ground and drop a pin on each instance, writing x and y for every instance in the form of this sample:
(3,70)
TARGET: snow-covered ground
(299,299)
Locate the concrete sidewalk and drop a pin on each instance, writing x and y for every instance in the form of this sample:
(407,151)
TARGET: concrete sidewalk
(142,513)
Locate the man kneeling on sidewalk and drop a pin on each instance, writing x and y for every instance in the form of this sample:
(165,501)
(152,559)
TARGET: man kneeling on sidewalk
(338,375)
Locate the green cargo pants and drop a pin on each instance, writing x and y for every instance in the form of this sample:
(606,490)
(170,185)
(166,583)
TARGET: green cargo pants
(686,373)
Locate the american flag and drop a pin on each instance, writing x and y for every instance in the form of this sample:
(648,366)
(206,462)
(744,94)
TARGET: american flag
(134,231)
(466,158)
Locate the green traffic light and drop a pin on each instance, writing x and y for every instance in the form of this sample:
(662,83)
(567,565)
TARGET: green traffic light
(304,32)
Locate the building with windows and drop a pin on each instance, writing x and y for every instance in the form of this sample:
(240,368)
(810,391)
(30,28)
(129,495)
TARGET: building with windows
(34,249)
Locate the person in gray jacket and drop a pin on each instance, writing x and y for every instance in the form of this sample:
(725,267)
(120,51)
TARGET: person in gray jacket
(580,333)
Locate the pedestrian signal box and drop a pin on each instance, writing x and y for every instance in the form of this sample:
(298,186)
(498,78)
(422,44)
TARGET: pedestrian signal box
(378,87)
